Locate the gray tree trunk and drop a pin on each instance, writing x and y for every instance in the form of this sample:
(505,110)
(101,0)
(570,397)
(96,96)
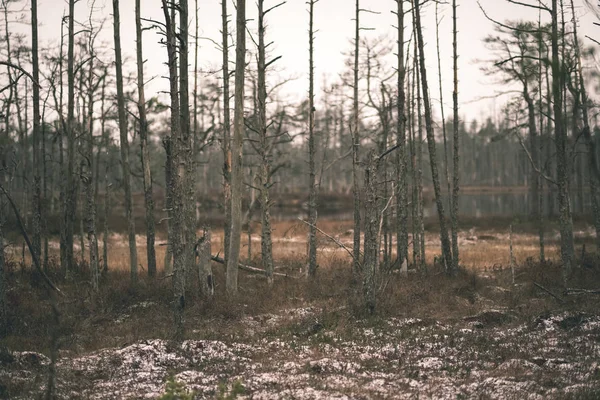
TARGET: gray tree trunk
(70,194)
(236,151)
(226,132)
(37,161)
(355,150)
(312,180)
(446,251)
(124,146)
(88,176)
(562,169)
(148,199)
(205,275)
(264,151)
(455,146)
(372,213)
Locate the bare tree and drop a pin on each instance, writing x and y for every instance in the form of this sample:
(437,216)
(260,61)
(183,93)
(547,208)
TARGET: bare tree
(70,193)
(87,162)
(124,145)
(455,144)
(312,200)
(446,251)
(355,148)
(226,131)
(562,169)
(236,151)
(401,162)
(143,126)
(37,164)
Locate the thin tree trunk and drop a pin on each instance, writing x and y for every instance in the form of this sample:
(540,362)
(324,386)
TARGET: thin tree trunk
(88,178)
(265,151)
(419,155)
(312,198)
(148,200)
(226,132)
(562,169)
(37,164)
(439,62)
(446,252)
(124,146)
(355,150)
(69,192)
(456,146)
(236,151)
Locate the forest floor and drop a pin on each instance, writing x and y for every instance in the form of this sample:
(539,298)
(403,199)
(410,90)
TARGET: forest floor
(477,335)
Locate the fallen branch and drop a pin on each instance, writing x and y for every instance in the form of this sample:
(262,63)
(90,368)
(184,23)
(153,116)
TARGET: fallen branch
(251,269)
(34,256)
(549,292)
(340,244)
(581,291)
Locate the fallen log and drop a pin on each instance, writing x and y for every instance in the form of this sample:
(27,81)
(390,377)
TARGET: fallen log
(251,269)
(581,291)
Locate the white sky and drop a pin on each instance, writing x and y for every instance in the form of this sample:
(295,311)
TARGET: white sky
(288,26)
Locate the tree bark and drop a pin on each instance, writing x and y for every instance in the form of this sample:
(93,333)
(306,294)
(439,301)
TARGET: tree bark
(226,132)
(37,164)
(355,150)
(236,151)
(372,213)
(88,175)
(264,151)
(446,251)
(124,145)
(312,180)
(69,181)
(455,146)
(562,169)
(143,122)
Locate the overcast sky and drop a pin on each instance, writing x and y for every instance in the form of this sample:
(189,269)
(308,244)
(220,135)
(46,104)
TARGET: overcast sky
(288,27)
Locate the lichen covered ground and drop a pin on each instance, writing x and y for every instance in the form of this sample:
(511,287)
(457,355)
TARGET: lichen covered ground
(293,354)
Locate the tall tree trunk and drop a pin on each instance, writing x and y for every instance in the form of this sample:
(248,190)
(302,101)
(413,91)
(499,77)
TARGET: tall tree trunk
(446,252)
(562,169)
(69,192)
(594,168)
(124,146)
(439,63)
(88,176)
(226,132)
(355,149)
(418,143)
(265,151)
(185,186)
(312,180)
(455,146)
(148,200)
(37,164)
(236,151)
(372,214)
(533,144)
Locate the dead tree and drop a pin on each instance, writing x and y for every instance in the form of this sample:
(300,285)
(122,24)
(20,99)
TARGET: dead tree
(446,250)
(236,152)
(355,148)
(401,162)
(124,145)
(560,136)
(37,164)
(226,143)
(455,145)
(145,153)
(312,180)
(70,193)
